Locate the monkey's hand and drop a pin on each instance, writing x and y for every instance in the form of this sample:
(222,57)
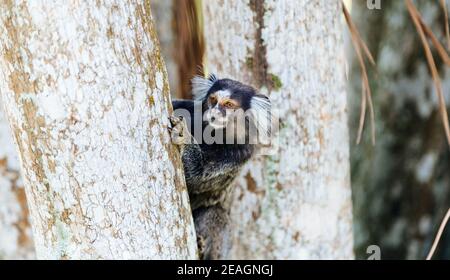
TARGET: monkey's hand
(179,132)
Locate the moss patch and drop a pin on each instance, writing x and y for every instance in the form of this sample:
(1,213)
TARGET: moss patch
(276,82)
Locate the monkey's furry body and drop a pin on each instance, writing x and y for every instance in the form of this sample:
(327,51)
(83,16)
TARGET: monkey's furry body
(211,168)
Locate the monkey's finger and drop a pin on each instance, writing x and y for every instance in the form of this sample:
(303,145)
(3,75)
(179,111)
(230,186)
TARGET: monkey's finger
(173,121)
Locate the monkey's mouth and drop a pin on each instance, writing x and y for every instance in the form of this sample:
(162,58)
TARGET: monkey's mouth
(217,123)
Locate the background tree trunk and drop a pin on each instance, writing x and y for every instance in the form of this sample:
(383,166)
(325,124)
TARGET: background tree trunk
(179,30)
(163,15)
(86,93)
(295,204)
(401,186)
(15,231)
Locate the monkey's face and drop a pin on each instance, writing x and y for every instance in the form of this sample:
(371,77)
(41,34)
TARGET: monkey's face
(221,108)
(233,106)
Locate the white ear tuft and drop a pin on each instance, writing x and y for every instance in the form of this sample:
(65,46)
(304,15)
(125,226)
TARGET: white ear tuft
(201,86)
(261,110)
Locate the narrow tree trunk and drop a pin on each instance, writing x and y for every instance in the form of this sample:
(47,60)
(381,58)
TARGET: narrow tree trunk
(163,14)
(86,94)
(15,231)
(190,46)
(182,44)
(295,204)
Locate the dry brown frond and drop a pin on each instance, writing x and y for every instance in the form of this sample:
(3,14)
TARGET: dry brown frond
(438,235)
(362,115)
(440,49)
(415,15)
(366,94)
(447,28)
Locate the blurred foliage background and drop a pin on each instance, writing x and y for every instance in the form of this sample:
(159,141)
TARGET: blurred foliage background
(401,186)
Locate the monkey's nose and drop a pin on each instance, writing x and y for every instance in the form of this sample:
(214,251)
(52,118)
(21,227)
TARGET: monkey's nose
(213,119)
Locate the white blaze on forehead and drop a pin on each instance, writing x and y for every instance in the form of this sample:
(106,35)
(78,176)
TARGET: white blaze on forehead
(222,94)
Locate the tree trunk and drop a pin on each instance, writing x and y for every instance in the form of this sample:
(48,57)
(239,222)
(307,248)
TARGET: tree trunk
(296,203)
(15,231)
(401,186)
(87,97)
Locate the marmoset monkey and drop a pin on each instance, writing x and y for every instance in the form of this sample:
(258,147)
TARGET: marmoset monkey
(231,119)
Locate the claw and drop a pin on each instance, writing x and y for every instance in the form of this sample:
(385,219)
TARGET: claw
(201,246)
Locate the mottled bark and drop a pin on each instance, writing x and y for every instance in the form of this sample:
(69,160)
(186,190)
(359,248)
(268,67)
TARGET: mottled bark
(401,187)
(86,93)
(296,203)
(15,231)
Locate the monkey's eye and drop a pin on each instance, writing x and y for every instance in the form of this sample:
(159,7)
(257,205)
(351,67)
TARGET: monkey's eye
(229,105)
